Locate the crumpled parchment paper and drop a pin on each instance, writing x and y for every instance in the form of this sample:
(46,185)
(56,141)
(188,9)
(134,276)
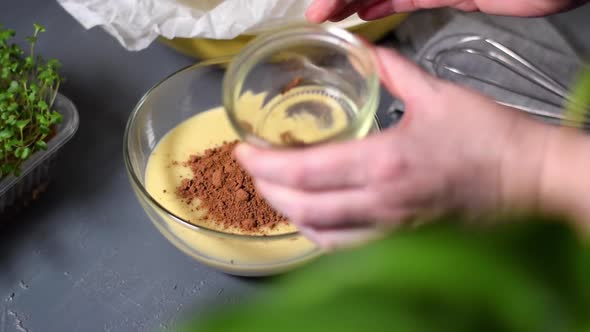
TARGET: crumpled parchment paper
(137,23)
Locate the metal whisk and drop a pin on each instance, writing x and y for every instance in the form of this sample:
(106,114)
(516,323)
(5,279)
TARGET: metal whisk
(448,59)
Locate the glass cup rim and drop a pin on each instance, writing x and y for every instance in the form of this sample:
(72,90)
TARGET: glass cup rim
(138,184)
(240,66)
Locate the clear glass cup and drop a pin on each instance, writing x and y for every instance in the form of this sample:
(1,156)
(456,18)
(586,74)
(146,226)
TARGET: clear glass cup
(319,84)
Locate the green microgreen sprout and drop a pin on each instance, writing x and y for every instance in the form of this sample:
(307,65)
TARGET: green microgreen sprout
(28,88)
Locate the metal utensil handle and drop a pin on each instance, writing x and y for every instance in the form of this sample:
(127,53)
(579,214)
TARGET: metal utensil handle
(510,59)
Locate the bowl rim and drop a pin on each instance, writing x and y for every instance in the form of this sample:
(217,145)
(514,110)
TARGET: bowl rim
(140,188)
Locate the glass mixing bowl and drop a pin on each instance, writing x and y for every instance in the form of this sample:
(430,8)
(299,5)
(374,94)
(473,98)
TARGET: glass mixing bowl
(177,98)
(190,91)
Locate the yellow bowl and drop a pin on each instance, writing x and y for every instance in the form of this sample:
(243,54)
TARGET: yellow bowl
(211,48)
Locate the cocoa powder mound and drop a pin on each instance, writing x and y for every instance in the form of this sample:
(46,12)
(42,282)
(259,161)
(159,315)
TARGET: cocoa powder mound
(226,192)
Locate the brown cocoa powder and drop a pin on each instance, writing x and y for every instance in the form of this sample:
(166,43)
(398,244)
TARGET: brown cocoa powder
(226,192)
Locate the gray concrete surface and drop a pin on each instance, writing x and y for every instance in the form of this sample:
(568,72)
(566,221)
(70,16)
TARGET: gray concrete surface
(84,257)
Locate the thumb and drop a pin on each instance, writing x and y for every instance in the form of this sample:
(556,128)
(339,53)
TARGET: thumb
(403,78)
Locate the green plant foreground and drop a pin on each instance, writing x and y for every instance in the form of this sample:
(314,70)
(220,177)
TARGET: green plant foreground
(578,106)
(28,88)
(530,275)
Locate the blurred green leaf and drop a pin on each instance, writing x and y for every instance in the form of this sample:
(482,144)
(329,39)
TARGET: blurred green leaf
(578,106)
(520,277)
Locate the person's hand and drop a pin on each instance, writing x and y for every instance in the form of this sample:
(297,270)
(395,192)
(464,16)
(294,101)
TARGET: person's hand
(453,150)
(336,10)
